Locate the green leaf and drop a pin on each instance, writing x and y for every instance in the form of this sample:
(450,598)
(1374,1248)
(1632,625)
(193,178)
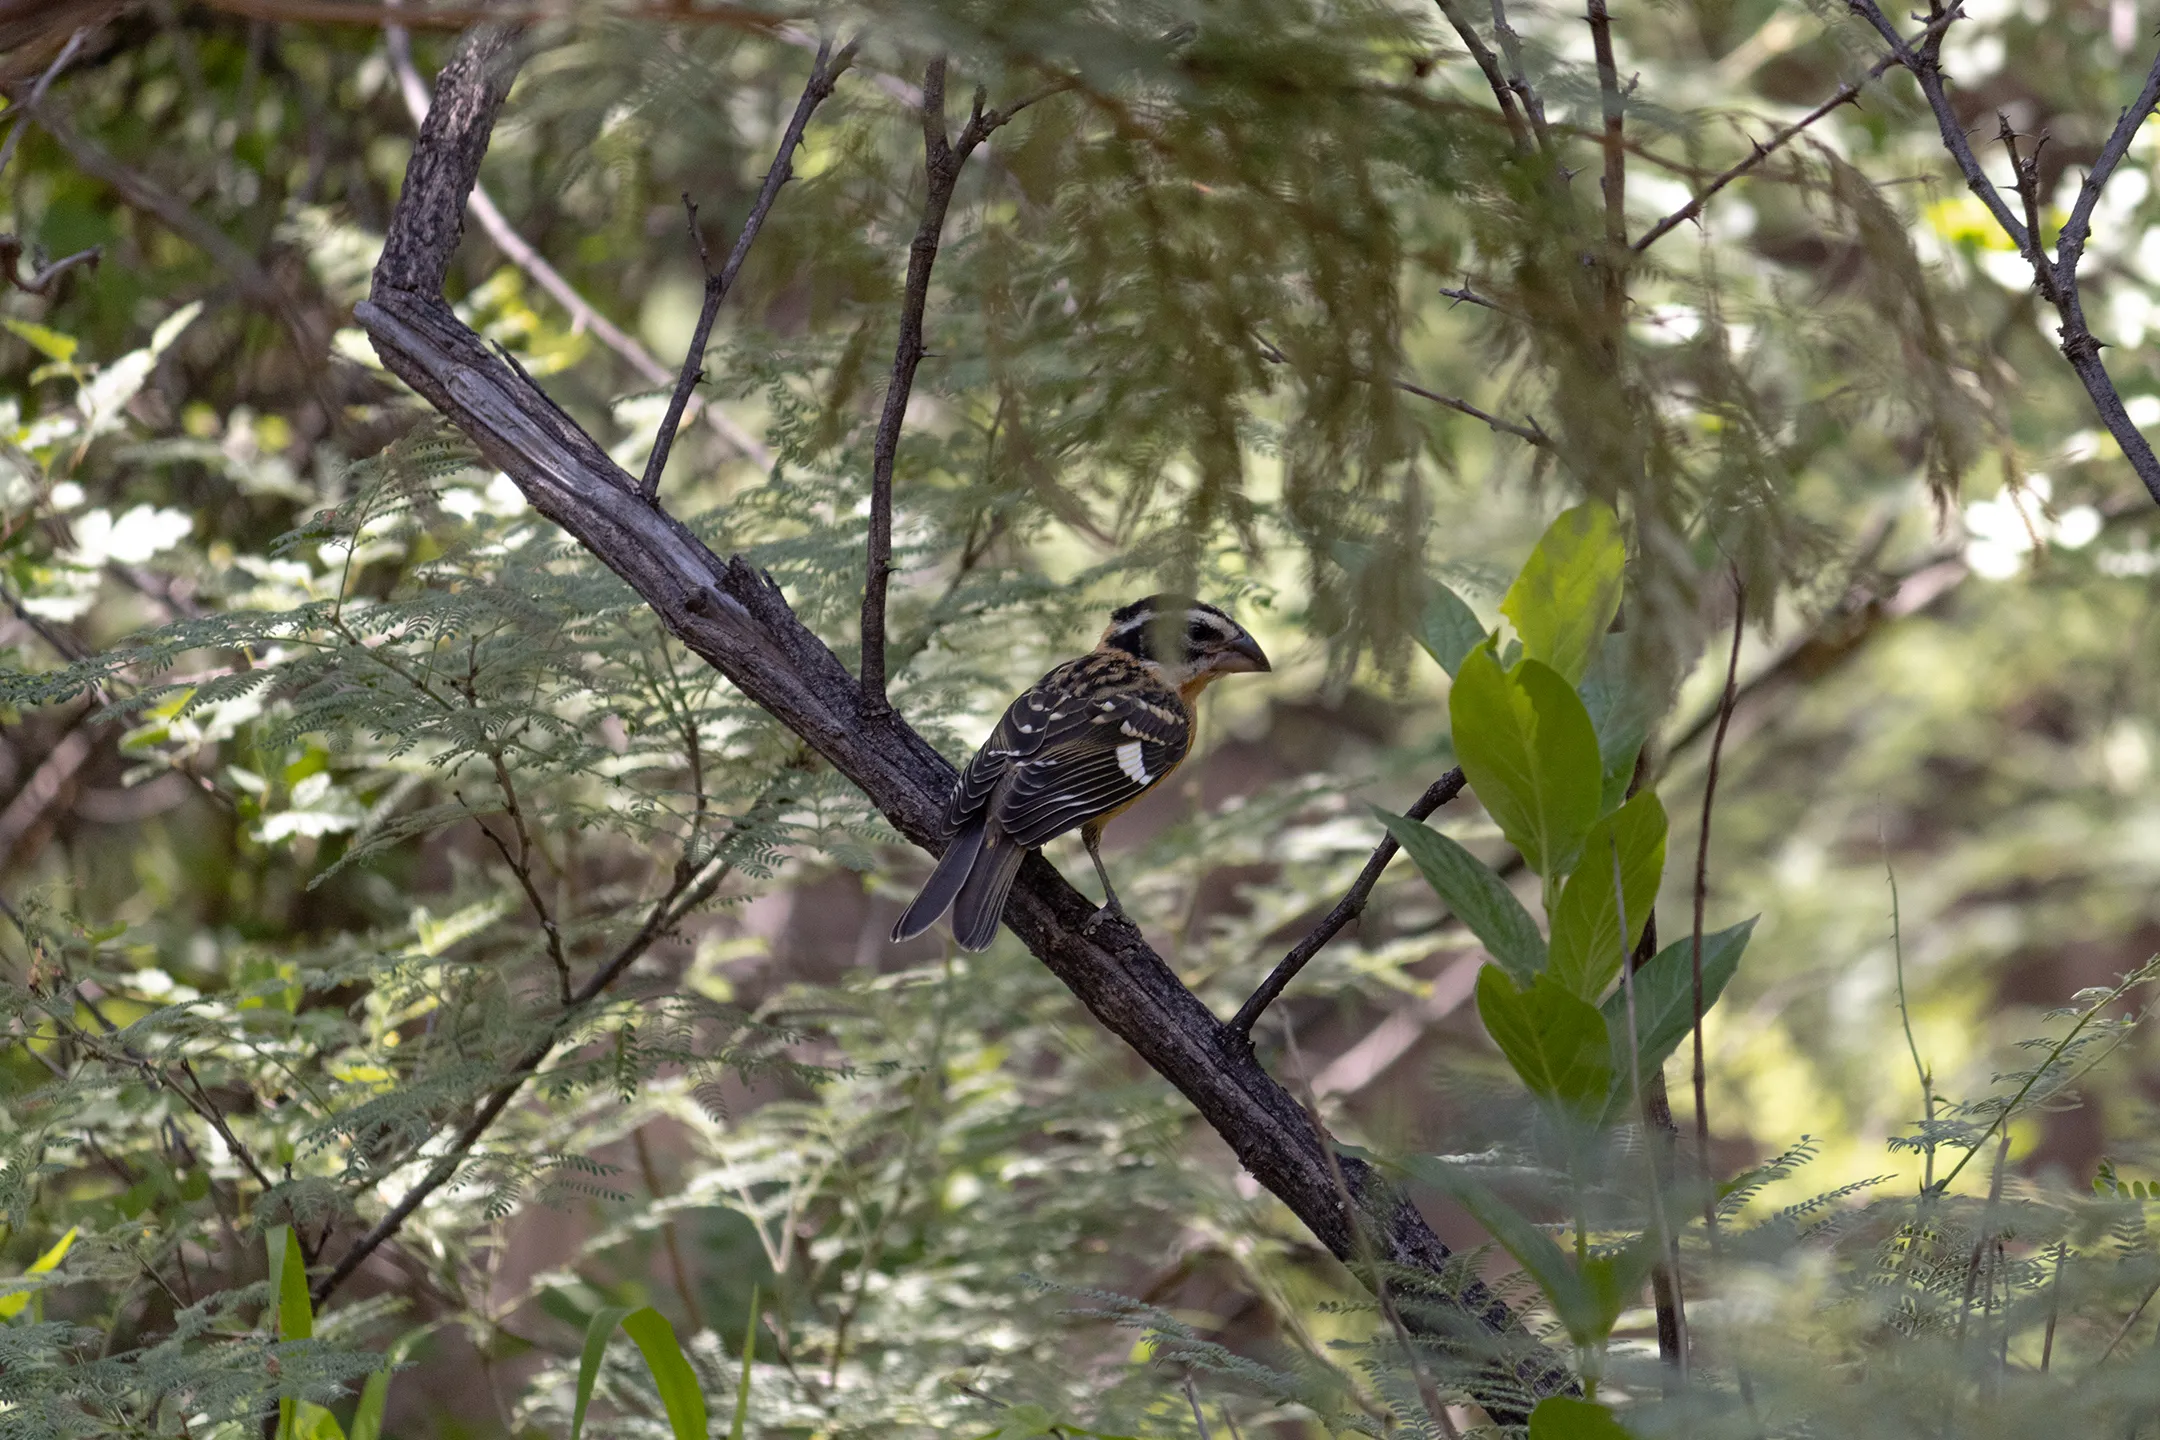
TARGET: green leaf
(1024,1422)
(1448,628)
(295,1316)
(1587,947)
(1665,997)
(291,1316)
(1479,898)
(47,342)
(316,1422)
(1526,745)
(597,1332)
(742,1386)
(1564,600)
(1540,1257)
(671,1372)
(1615,1279)
(1623,706)
(368,1417)
(45,1264)
(1559,1417)
(1556,1041)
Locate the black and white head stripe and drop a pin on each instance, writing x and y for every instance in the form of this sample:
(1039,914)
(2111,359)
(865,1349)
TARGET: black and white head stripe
(1145,626)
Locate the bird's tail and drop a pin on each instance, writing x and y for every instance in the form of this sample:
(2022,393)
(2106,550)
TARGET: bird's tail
(944,883)
(981,902)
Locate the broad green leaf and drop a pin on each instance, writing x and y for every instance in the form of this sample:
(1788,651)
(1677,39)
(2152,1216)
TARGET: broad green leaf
(1479,898)
(671,1372)
(316,1422)
(47,342)
(1448,628)
(1025,1422)
(1556,1041)
(1665,999)
(1526,745)
(1561,1417)
(1615,1280)
(1587,946)
(1623,706)
(1530,1247)
(742,1386)
(597,1334)
(1564,600)
(294,1316)
(368,1417)
(45,1264)
(291,1316)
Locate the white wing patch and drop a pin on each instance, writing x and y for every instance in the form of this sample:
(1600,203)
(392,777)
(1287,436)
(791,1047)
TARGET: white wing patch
(1128,759)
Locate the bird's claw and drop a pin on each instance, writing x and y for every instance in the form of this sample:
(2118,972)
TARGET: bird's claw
(1102,913)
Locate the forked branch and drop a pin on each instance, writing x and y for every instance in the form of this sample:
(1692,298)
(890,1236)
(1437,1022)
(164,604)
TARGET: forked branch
(2055,278)
(943,158)
(825,73)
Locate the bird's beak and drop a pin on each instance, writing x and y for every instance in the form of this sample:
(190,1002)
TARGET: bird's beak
(1244,655)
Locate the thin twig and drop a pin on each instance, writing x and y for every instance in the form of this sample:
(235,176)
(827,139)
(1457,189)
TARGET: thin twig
(1490,65)
(519,252)
(1517,80)
(1192,1398)
(1466,294)
(1352,905)
(2047,1342)
(943,158)
(37,94)
(676,1268)
(1702,892)
(825,73)
(1534,433)
(1846,94)
(1613,108)
(1927,1077)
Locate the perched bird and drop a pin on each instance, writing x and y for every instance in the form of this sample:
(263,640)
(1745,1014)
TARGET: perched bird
(1085,742)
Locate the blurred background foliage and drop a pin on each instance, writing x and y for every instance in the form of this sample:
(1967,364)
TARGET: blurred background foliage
(295,847)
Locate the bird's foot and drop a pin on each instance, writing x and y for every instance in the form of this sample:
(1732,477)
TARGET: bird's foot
(1109,911)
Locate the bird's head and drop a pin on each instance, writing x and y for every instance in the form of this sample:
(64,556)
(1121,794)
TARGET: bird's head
(1189,640)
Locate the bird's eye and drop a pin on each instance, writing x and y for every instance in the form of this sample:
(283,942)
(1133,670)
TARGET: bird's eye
(1197,633)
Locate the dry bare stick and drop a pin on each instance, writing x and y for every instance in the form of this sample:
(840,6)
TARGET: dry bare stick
(2079,345)
(583,316)
(1846,94)
(1352,905)
(943,158)
(825,73)
(736,619)
(1702,893)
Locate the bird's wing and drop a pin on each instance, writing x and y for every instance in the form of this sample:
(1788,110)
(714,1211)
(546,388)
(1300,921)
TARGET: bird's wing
(1020,735)
(1103,752)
